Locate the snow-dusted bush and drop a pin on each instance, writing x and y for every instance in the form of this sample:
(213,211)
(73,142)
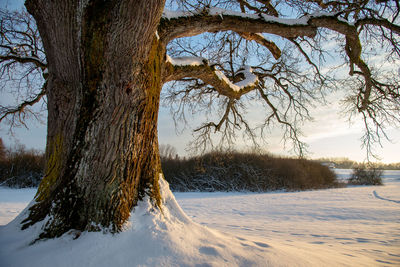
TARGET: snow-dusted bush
(223,171)
(21,168)
(366,176)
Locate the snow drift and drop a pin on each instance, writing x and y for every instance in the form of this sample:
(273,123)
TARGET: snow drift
(338,227)
(150,238)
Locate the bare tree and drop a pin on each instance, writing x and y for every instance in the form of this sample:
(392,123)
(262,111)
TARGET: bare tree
(22,66)
(107,62)
(167,151)
(3,152)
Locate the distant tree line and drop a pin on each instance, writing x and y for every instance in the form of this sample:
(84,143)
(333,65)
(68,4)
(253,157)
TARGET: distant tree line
(215,171)
(345,163)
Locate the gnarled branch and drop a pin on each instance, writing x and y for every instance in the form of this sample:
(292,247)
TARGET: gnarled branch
(21,59)
(194,68)
(20,109)
(184,24)
(260,39)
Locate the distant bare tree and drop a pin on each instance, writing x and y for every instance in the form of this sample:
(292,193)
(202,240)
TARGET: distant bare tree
(2,150)
(167,151)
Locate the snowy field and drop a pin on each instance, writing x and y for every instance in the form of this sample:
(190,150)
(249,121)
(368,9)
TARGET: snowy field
(355,226)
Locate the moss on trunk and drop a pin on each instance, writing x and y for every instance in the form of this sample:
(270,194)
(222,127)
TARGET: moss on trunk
(52,170)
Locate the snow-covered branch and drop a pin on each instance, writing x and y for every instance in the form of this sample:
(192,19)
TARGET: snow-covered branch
(199,68)
(176,24)
(186,61)
(250,80)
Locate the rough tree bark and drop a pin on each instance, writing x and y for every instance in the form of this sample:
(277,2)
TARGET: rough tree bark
(103,98)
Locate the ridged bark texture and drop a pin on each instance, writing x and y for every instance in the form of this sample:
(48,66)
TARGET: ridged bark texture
(104,88)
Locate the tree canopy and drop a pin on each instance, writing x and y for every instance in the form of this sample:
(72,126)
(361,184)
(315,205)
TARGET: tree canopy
(293,48)
(279,53)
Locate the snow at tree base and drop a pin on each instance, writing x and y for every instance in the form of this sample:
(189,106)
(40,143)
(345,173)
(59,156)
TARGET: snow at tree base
(355,226)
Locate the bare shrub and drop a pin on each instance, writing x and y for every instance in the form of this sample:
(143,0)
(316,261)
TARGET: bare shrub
(21,168)
(233,171)
(366,176)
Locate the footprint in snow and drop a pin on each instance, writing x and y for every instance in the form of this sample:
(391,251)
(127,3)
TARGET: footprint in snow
(317,242)
(209,251)
(385,262)
(260,244)
(349,255)
(319,235)
(363,240)
(383,198)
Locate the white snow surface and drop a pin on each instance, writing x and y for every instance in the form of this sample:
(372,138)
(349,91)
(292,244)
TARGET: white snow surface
(250,79)
(186,61)
(169,14)
(354,226)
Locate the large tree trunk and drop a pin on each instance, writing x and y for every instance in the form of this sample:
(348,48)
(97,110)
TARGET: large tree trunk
(103,97)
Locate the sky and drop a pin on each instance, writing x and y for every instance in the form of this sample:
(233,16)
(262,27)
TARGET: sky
(11,4)
(329,135)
